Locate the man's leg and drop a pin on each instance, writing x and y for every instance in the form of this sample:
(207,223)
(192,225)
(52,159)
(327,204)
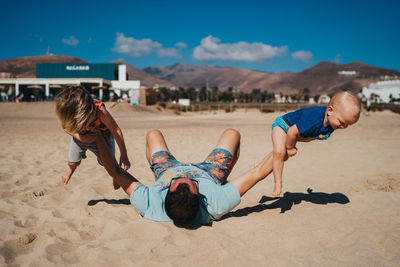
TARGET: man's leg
(124,179)
(157,153)
(154,142)
(230,140)
(250,178)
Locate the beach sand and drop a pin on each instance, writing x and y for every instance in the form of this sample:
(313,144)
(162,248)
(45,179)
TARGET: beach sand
(340,207)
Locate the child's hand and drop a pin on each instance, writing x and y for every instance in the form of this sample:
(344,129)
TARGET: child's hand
(124,162)
(291,151)
(66,176)
(277,190)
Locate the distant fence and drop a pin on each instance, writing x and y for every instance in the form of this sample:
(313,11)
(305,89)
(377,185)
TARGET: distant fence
(230,107)
(262,107)
(383,106)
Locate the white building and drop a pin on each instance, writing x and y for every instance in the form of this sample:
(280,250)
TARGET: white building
(279,98)
(382,92)
(323,99)
(347,72)
(54,75)
(122,84)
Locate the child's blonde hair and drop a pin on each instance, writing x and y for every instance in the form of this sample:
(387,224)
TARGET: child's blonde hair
(75,108)
(348,102)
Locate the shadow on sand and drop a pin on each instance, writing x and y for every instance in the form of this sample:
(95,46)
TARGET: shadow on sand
(123,201)
(286,202)
(126,201)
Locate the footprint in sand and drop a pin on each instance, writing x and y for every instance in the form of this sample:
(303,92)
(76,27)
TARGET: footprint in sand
(37,194)
(30,221)
(385,183)
(12,248)
(61,253)
(27,239)
(40,193)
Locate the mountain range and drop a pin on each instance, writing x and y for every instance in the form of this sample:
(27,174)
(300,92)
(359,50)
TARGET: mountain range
(321,78)
(324,77)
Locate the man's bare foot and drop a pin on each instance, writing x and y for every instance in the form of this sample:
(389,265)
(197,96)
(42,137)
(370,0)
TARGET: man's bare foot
(66,176)
(116,185)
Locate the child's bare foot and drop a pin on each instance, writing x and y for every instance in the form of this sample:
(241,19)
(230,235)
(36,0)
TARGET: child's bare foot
(116,185)
(277,191)
(66,176)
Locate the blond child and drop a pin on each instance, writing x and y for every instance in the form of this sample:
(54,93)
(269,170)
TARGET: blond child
(308,124)
(81,117)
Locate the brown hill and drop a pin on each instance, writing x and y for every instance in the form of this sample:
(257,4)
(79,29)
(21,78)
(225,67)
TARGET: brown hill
(321,78)
(25,67)
(144,78)
(197,76)
(325,78)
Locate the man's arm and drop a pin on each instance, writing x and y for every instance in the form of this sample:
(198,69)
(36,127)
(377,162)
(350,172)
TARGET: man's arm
(250,178)
(124,179)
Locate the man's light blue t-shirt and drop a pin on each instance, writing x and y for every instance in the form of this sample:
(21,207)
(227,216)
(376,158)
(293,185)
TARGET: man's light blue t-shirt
(215,200)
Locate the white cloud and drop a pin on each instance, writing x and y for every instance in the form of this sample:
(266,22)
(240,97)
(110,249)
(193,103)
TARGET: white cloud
(338,59)
(134,48)
(302,55)
(181,45)
(70,41)
(210,48)
(169,52)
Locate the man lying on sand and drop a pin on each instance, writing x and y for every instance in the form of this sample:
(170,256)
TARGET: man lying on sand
(187,192)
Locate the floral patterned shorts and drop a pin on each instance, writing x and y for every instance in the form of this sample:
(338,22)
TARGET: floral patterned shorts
(216,164)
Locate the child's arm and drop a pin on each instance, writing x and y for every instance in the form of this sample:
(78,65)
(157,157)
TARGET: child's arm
(124,179)
(109,121)
(292,136)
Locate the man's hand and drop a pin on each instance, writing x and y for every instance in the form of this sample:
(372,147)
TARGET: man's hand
(124,162)
(291,151)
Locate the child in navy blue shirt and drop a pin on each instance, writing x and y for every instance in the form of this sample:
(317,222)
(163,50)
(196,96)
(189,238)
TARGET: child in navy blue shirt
(308,124)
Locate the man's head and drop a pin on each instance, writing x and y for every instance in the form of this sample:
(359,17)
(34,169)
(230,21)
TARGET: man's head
(182,201)
(75,108)
(343,110)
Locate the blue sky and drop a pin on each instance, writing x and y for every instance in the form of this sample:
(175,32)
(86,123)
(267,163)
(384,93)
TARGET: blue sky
(272,36)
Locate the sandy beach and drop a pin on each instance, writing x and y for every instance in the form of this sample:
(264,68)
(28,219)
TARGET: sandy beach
(340,205)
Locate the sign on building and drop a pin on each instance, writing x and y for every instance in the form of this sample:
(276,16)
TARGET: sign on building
(134,96)
(184,102)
